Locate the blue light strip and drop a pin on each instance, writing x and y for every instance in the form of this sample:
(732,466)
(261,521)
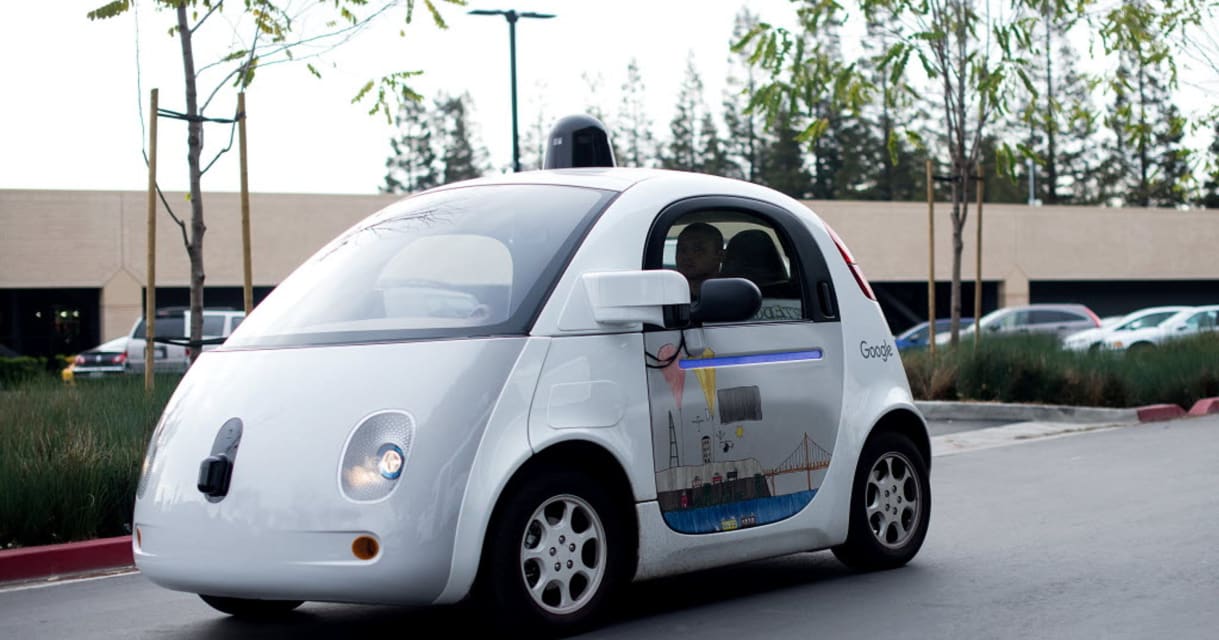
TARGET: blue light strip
(761,358)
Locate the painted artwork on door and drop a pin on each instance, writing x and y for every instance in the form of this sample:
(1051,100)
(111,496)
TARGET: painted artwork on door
(731,448)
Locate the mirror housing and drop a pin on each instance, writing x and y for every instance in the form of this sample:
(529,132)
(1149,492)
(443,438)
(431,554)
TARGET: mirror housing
(726,300)
(626,298)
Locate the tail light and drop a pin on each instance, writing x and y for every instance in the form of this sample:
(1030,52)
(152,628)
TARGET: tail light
(119,359)
(850,260)
(79,360)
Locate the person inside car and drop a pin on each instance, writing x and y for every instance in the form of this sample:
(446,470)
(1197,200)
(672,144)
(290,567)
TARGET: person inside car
(700,251)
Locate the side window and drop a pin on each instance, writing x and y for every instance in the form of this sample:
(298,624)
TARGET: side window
(710,244)
(173,326)
(1202,321)
(1010,320)
(213,325)
(1055,317)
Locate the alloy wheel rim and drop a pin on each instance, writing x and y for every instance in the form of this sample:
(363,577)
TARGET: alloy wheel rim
(562,559)
(893,500)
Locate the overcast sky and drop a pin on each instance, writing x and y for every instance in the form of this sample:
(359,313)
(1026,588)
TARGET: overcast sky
(70,117)
(73,89)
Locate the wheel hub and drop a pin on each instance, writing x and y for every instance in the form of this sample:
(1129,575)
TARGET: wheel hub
(563,554)
(893,500)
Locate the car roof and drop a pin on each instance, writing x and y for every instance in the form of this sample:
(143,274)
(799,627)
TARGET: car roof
(609,178)
(117,344)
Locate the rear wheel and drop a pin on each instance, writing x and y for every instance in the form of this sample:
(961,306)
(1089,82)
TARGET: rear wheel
(890,505)
(1140,347)
(556,553)
(248,608)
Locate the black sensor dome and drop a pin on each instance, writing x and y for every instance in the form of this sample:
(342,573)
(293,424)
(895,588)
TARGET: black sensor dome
(579,141)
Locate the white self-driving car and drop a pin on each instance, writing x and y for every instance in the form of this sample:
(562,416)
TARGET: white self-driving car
(501,390)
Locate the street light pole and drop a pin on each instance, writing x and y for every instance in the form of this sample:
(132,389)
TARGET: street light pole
(512,16)
(516,147)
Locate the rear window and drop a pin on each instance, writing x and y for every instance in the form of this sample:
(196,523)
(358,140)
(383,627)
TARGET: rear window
(213,325)
(171,326)
(1052,316)
(472,261)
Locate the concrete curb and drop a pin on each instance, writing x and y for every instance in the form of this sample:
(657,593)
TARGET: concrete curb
(60,559)
(1204,407)
(946,410)
(1158,412)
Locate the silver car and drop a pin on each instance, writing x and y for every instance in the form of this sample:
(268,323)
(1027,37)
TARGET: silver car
(1058,319)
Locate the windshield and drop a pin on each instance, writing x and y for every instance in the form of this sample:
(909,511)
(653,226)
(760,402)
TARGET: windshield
(1149,320)
(473,261)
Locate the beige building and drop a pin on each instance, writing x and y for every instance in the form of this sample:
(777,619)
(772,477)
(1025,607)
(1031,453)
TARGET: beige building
(73,263)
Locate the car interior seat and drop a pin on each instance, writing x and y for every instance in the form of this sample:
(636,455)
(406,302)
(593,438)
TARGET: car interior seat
(752,254)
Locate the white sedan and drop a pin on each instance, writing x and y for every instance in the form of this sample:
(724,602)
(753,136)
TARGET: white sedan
(1148,318)
(1187,322)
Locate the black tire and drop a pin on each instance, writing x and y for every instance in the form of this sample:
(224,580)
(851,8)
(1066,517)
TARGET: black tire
(251,609)
(1140,348)
(556,554)
(890,505)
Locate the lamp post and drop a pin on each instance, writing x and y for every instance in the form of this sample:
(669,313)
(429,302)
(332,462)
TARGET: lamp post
(512,16)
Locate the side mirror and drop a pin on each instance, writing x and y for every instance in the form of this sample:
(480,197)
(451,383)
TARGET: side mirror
(625,299)
(726,300)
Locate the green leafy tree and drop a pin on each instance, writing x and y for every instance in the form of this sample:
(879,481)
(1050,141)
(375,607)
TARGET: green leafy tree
(260,34)
(412,164)
(784,165)
(463,157)
(684,151)
(714,153)
(974,56)
(634,124)
(1063,96)
(595,84)
(745,128)
(1210,196)
(1148,130)
(891,149)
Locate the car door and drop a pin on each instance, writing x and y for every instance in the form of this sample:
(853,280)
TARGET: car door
(1203,321)
(1057,322)
(745,415)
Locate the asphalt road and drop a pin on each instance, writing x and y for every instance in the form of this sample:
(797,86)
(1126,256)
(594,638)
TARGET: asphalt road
(1101,534)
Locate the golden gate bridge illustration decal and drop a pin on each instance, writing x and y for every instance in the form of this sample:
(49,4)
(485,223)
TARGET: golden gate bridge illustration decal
(807,457)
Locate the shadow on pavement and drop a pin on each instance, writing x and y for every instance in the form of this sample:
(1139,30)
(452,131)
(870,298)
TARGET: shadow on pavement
(640,601)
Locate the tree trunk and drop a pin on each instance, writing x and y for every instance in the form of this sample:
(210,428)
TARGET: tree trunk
(194,139)
(960,170)
(1144,196)
(1051,161)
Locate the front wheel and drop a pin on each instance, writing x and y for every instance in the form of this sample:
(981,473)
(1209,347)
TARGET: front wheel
(247,608)
(890,505)
(556,553)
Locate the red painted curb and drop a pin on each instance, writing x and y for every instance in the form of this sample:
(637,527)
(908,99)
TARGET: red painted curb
(1157,412)
(1205,406)
(73,557)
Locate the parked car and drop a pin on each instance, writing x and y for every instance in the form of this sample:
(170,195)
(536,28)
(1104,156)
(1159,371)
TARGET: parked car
(1187,322)
(1045,318)
(916,337)
(108,358)
(173,323)
(1142,319)
(579,425)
